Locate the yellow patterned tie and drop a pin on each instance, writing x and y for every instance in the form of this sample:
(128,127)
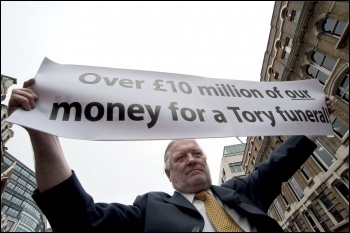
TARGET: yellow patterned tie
(221,220)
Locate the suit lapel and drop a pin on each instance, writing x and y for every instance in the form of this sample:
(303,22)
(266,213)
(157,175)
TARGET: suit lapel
(236,200)
(179,200)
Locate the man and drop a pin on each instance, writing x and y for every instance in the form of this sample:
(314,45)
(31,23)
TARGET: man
(68,207)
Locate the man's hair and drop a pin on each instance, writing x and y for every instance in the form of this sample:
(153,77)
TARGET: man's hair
(166,154)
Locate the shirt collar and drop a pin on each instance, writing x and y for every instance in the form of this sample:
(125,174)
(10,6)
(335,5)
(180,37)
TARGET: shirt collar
(190,196)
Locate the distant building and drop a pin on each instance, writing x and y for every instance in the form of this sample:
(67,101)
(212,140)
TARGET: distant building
(310,40)
(6,131)
(6,134)
(231,162)
(22,213)
(18,210)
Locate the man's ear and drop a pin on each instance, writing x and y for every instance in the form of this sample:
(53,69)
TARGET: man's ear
(167,172)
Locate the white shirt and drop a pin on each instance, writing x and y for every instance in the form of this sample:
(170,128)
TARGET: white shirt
(208,226)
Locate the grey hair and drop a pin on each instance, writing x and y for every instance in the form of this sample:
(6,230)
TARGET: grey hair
(166,154)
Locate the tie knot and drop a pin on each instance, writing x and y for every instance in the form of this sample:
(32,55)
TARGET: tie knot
(220,219)
(201,195)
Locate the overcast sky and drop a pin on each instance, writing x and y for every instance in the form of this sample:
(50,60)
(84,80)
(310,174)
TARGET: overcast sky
(225,40)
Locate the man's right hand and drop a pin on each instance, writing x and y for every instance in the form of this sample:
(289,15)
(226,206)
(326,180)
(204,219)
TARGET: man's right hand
(22,98)
(51,168)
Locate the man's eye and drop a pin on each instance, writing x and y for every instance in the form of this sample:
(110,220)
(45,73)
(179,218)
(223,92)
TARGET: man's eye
(180,158)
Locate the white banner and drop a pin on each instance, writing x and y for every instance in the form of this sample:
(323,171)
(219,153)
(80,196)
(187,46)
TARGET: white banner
(99,103)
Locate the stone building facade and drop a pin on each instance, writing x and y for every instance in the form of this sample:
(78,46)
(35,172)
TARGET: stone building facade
(309,40)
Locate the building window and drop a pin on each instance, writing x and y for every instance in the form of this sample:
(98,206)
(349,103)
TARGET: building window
(277,76)
(269,213)
(12,212)
(333,27)
(296,188)
(287,48)
(279,210)
(284,199)
(339,128)
(8,161)
(24,172)
(343,189)
(295,16)
(319,219)
(343,186)
(323,61)
(27,195)
(14,177)
(235,167)
(311,222)
(19,190)
(323,157)
(305,172)
(316,74)
(223,178)
(10,224)
(346,178)
(343,89)
(11,185)
(253,161)
(7,196)
(296,226)
(21,229)
(331,208)
(21,181)
(234,150)
(274,74)
(4,208)
(29,220)
(32,178)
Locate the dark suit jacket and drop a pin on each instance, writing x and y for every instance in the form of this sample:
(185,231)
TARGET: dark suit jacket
(68,207)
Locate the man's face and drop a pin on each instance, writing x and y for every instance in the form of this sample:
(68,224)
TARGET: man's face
(188,169)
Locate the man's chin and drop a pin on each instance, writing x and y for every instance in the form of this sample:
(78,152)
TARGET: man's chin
(198,179)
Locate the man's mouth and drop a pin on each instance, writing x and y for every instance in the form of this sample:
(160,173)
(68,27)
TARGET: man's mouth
(194,170)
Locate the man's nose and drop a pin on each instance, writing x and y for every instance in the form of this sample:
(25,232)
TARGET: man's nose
(191,159)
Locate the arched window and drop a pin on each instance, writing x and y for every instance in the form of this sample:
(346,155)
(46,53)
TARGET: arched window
(333,27)
(295,16)
(287,48)
(322,60)
(313,72)
(274,74)
(343,189)
(343,89)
